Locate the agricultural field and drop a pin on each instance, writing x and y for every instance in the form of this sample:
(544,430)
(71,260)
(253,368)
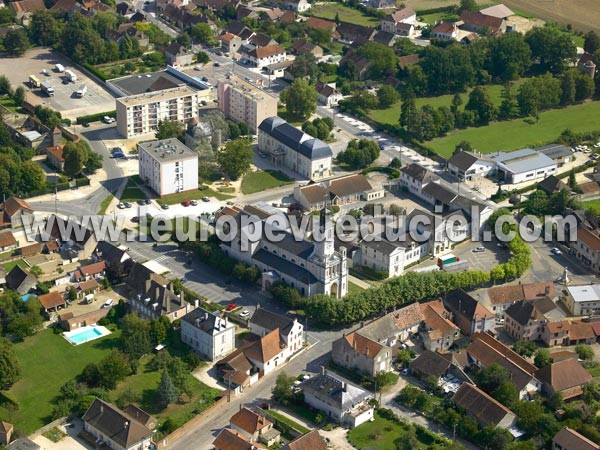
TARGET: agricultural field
(519,133)
(583,15)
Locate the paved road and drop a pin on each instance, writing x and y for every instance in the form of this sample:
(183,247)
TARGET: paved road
(309,361)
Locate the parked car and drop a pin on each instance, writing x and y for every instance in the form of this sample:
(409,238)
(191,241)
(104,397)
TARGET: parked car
(127,205)
(141,202)
(148,201)
(205,199)
(556,251)
(121,206)
(107,119)
(405,371)
(478,250)
(244,313)
(164,206)
(185,203)
(231,306)
(135,219)
(193,202)
(217,64)
(108,303)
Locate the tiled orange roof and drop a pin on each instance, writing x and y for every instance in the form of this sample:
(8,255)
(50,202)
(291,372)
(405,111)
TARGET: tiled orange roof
(363,345)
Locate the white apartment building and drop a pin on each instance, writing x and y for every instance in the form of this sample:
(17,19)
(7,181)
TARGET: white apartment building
(243,102)
(168,166)
(290,147)
(138,115)
(391,257)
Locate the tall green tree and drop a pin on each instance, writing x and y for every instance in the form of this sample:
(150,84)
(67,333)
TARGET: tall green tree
(168,129)
(300,99)
(387,96)
(203,34)
(482,105)
(591,42)
(167,393)
(75,157)
(509,107)
(567,86)
(468,5)
(10,371)
(542,358)
(16,42)
(408,108)
(552,48)
(235,158)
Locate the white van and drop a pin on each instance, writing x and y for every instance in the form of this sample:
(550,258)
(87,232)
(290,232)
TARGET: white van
(108,303)
(89,299)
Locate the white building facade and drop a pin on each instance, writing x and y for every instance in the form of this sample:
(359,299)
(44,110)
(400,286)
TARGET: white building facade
(290,147)
(168,166)
(209,335)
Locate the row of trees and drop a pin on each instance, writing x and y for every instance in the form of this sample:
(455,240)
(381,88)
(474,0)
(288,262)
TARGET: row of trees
(320,128)
(534,95)
(85,39)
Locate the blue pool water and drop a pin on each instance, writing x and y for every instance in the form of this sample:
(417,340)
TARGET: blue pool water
(84,335)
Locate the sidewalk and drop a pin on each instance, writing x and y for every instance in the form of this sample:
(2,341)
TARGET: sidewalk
(359,282)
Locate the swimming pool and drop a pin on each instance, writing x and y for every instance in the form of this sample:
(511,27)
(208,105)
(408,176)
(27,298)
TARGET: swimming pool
(85,334)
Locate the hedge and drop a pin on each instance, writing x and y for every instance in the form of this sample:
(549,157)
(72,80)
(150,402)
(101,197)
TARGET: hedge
(96,117)
(393,173)
(423,12)
(96,72)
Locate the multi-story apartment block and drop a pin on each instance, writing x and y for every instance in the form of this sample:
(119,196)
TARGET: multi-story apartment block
(243,102)
(210,335)
(168,166)
(138,115)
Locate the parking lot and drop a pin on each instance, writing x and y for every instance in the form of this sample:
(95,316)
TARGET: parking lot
(35,61)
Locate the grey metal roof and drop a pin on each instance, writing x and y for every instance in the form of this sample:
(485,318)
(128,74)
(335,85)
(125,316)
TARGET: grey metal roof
(554,151)
(205,321)
(295,139)
(301,248)
(524,160)
(335,391)
(139,84)
(284,266)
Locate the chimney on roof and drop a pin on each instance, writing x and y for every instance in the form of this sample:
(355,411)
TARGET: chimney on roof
(126,424)
(323,370)
(101,408)
(547,290)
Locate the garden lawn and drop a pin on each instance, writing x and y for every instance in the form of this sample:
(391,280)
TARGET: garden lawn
(47,362)
(592,204)
(382,433)
(262,180)
(10,104)
(354,288)
(433,18)
(104,204)
(18,262)
(145,382)
(285,419)
(196,195)
(329,10)
(132,194)
(520,133)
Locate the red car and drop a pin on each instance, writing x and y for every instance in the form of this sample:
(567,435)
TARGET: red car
(185,203)
(231,307)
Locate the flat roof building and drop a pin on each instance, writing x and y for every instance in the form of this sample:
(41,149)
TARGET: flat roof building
(524,165)
(146,99)
(168,166)
(244,102)
(583,300)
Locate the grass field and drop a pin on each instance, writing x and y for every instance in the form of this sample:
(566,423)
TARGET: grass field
(289,421)
(583,15)
(438,17)
(391,115)
(263,180)
(47,362)
(10,104)
(18,262)
(145,382)
(346,14)
(383,433)
(104,204)
(196,195)
(519,133)
(132,194)
(592,204)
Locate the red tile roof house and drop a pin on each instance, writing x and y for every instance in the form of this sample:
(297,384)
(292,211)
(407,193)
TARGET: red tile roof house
(567,439)
(254,426)
(52,301)
(566,376)
(12,211)
(7,241)
(486,410)
(501,297)
(89,272)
